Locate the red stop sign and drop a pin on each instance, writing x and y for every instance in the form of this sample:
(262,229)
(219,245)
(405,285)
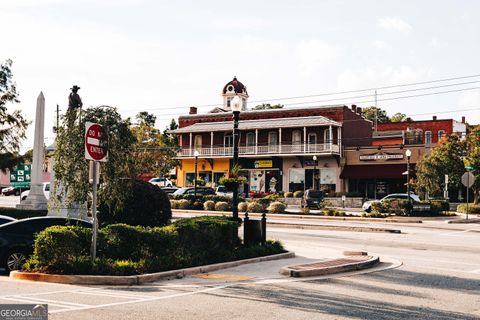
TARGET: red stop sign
(95,148)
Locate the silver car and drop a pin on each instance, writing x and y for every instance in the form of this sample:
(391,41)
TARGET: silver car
(367,205)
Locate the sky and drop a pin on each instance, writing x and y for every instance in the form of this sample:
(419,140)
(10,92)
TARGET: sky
(164,56)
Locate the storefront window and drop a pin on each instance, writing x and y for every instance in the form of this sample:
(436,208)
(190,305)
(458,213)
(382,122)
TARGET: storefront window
(296,179)
(328,180)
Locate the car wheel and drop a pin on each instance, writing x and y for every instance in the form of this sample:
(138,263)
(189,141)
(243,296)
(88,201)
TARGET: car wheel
(17,193)
(368,210)
(24,197)
(15,260)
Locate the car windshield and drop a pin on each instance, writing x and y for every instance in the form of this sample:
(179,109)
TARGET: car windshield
(315,194)
(181,191)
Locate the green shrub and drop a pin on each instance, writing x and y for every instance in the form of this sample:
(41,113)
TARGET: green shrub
(254,207)
(242,207)
(174,204)
(298,194)
(264,202)
(144,204)
(272,197)
(22,213)
(305,210)
(183,204)
(222,206)
(197,205)
(209,205)
(288,194)
(472,208)
(277,207)
(330,212)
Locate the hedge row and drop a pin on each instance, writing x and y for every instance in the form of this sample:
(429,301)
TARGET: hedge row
(403,207)
(472,208)
(125,250)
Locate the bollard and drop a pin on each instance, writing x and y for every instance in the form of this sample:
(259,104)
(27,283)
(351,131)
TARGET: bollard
(264,228)
(245,231)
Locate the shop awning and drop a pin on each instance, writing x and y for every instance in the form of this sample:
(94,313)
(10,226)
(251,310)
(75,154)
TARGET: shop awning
(376,171)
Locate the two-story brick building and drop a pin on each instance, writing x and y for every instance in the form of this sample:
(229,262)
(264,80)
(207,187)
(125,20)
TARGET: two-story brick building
(276,146)
(377,170)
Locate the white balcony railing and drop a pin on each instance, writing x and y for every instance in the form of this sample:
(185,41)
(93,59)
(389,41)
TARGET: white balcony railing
(293,149)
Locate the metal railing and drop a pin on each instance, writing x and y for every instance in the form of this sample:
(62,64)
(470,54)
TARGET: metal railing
(293,149)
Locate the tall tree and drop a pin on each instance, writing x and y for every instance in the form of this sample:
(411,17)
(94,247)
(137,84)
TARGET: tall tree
(71,168)
(447,158)
(398,117)
(370,113)
(12,124)
(473,159)
(148,144)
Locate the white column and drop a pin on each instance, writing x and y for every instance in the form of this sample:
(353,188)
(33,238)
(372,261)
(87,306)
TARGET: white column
(211,143)
(331,136)
(256,141)
(191,143)
(36,198)
(339,139)
(304,139)
(280,140)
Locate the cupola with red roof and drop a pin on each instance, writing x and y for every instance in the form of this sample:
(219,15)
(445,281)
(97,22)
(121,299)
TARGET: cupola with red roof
(232,89)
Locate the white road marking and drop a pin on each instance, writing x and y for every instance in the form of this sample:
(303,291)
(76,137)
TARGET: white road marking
(61,304)
(113,294)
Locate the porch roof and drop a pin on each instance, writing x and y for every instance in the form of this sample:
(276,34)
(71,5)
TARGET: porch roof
(297,122)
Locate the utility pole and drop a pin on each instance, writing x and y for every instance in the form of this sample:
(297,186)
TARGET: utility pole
(58,120)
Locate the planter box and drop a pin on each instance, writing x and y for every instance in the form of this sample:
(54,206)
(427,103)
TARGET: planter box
(349,202)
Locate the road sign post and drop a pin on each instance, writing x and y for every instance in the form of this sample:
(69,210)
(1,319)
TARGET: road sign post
(468,179)
(95,150)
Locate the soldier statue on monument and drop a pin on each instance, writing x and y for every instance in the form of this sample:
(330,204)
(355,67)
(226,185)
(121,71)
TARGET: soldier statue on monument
(74,103)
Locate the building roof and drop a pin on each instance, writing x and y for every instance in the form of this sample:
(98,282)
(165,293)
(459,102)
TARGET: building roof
(260,124)
(237,87)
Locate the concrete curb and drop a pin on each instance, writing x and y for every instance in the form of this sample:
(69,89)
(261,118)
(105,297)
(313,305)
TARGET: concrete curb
(474,220)
(329,227)
(143,278)
(330,270)
(296,216)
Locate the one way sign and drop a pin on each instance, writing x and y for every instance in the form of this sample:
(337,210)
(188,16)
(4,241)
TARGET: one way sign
(95,146)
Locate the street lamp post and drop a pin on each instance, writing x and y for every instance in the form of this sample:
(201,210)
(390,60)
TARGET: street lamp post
(196,154)
(408,153)
(314,171)
(236,104)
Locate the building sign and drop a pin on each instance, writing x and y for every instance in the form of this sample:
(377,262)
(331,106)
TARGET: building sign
(20,176)
(381,156)
(263,163)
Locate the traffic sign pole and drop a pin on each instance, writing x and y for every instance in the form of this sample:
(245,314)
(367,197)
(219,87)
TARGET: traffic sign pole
(93,249)
(468,189)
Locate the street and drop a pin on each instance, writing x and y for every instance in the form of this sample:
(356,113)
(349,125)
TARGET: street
(429,271)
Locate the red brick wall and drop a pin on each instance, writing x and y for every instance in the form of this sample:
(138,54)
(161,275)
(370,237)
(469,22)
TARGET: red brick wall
(428,125)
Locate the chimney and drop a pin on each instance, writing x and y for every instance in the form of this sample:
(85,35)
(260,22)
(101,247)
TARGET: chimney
(409,119)
(354,108)
(193,110)
(434,118)
(359,110)
(463,119)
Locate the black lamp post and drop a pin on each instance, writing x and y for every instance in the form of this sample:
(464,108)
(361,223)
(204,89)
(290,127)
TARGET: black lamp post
(236,105)
(408,153)
(314,171)
(196,154)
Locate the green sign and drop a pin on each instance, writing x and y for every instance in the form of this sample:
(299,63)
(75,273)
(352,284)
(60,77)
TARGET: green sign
(468,168)
(21,175)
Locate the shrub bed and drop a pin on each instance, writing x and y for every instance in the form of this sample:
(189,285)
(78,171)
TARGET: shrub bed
(472,208)
(254,207)
(242,207)
(277,207)
(126,250)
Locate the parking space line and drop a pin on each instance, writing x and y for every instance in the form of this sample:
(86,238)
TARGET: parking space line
(60,304)
(113,295)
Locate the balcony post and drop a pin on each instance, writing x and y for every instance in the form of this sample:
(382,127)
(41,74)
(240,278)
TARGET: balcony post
(211,143)
(339,139)
(304,139)
(331,136)
(256,141)
(279,140)
(191,144)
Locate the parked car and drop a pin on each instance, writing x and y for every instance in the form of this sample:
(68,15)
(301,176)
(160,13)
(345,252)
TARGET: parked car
(222,191)
(191,190)
(6,219)
(313,198)
(367,205)
(161,182)
(169,190)
(17,237)
(46,191)
(13,191)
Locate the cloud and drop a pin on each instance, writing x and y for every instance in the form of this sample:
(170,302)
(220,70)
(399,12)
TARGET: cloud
(378,44)
(312,54)
(396,24)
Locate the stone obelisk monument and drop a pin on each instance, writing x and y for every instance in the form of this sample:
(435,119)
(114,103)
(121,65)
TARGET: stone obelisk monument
(36,198)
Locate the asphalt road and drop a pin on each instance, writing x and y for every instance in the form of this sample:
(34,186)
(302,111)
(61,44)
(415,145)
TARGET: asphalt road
(430,271)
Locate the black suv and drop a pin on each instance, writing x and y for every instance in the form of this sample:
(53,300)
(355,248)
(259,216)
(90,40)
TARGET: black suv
(313,198)
(17,237)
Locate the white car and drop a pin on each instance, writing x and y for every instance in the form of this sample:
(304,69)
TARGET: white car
(46,191)
(367,205)
(222,191)
(161,182)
